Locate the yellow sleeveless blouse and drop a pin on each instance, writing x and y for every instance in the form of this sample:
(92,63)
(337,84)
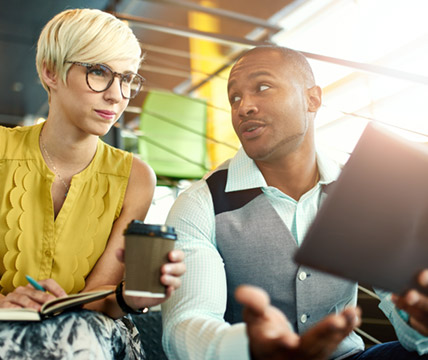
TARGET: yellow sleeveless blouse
(32,241)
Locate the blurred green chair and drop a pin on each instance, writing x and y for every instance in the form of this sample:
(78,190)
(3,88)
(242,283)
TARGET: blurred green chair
(172,137)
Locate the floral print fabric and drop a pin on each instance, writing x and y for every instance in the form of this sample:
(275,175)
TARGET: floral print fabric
(77,335)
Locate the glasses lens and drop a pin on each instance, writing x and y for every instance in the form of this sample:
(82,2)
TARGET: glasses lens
(131,85)
(99,77)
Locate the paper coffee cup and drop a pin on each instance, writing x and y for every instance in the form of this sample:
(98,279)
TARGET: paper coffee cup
(146,250)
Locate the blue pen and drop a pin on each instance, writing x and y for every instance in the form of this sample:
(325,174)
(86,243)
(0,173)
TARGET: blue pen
(34,283)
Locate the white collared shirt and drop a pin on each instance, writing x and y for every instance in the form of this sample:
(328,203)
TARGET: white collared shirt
(193,323)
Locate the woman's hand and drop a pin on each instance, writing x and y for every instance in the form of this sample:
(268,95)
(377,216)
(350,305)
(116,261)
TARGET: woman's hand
(28,297)
(170,277)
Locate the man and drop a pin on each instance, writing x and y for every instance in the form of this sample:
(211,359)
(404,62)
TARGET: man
(243,223)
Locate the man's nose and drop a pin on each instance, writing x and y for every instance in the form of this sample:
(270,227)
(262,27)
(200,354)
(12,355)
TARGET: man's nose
(247,106)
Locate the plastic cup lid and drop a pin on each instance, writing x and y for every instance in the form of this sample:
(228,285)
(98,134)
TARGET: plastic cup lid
(140,228)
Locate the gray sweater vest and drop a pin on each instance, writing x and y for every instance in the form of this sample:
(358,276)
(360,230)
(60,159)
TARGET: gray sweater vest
(257,249)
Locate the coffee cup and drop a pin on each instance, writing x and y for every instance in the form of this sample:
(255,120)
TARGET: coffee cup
(146,250)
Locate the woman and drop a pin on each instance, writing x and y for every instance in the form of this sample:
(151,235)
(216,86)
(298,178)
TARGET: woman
(66,197)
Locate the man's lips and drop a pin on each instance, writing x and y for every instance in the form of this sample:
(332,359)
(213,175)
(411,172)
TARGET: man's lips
(251,129)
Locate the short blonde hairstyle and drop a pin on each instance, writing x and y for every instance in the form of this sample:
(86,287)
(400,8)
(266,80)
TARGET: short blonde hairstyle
(85,35)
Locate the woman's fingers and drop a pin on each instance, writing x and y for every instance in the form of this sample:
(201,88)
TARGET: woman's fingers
(53,287)
(27,297)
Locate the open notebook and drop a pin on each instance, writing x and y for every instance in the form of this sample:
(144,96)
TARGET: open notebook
(52,307)
(373,226)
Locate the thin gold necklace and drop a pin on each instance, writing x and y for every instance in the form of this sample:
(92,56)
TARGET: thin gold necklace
(53,166)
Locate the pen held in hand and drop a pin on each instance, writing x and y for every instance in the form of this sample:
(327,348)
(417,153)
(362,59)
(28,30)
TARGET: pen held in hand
(34,283)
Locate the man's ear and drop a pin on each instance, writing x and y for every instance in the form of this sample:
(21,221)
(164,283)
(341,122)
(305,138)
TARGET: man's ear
(314,98)
(49,77)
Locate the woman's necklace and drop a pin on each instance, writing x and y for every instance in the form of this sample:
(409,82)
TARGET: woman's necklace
(53,166)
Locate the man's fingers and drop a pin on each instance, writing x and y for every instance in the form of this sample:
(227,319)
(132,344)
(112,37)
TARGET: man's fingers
(414,298)
(321,340)
(265,323)
(253,298)
(353,317)
(423,278)
(416,305)
(420,326)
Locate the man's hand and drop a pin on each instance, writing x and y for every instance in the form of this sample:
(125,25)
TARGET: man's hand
(416,305)
(271,336)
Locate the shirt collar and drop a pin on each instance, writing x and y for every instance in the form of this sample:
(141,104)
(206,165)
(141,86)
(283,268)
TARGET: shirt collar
(329,169)
(244,174)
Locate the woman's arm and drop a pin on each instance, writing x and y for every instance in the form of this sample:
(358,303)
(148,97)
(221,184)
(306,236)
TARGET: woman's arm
(108,270)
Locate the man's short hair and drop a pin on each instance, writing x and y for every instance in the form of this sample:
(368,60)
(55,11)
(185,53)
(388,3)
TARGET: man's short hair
(295,59)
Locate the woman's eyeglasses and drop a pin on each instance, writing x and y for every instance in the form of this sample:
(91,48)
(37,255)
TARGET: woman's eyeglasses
(99,78)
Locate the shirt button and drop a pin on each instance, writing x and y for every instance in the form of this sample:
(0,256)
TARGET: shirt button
(48,253)
(302,276)
(304,318)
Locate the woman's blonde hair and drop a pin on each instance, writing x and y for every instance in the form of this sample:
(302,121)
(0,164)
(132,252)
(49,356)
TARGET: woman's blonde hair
(85,35)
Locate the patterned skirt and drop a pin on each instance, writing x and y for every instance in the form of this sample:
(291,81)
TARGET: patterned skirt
(77,335)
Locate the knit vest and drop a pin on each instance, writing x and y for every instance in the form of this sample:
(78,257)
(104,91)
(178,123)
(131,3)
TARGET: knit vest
(257,249)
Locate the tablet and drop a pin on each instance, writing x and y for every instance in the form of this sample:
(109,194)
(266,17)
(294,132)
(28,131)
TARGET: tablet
(373,225)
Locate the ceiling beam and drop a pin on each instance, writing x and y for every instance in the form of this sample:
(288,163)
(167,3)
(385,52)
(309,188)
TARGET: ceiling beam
(245,43)
(370,68)
(165,71)
(180,53)
(169,28)
(221,13)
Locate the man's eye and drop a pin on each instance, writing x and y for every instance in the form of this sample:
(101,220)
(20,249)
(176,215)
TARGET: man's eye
(234,99)
(263,87)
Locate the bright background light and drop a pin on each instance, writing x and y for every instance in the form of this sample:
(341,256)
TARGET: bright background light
(388,33)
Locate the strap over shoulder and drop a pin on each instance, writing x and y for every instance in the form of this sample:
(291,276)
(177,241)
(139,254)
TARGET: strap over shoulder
(227,201)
